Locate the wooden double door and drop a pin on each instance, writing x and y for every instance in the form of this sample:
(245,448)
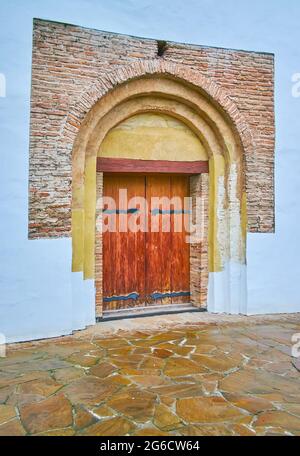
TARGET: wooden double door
(145,254)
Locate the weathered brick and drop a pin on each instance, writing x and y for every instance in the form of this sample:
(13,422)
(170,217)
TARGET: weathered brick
(68,61)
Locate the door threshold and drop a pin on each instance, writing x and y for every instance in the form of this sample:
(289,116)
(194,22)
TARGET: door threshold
(150,311)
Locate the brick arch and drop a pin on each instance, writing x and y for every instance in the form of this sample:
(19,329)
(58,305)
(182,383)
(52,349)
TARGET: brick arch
(84,146)
(216,94)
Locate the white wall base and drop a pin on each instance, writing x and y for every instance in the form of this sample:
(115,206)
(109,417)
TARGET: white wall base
(227,290)
(274,259)
(83,301)
(40,296)
(273,273)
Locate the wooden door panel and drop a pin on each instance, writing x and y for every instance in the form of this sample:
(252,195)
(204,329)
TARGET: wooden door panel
(180,253)
(158,243)
(123,252)
(146,268)
(109,248)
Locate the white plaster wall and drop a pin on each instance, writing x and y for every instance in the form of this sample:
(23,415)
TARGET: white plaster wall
(274,259)
(39,297)
(35,290)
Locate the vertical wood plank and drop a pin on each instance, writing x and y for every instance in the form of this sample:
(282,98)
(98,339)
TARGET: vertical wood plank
(180,267)
(123,252)
(158,266)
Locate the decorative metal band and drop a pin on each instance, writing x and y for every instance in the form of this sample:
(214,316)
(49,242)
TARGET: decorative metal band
(170,211)
(120,211)
(121,297)
(156,295)
(153,211)
(170,294)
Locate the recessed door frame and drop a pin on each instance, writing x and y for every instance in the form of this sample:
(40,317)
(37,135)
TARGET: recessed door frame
(198,187)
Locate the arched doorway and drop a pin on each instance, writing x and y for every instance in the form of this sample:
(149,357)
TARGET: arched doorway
(214,119)
(154,261)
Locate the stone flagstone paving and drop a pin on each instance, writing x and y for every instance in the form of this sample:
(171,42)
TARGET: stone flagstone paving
(195,379)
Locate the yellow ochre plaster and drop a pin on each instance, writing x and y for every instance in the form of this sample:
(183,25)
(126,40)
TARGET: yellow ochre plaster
(90,217)
(216,170)
(152,137)
(77,240)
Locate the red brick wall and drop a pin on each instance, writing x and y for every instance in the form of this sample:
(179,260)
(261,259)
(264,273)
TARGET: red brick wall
(67,59)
